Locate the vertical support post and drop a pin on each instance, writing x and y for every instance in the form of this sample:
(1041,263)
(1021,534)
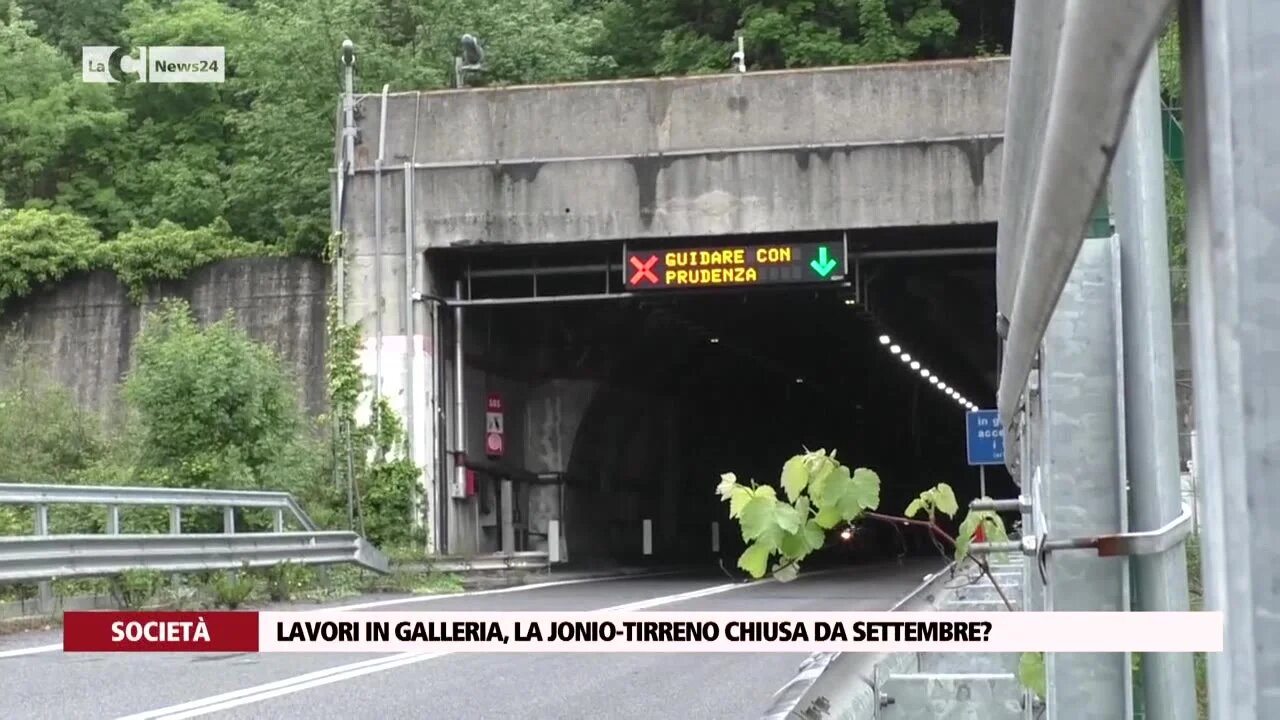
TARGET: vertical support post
(113,520)
(507,505)
(1151,422)
(175,528)
(229,520)
(277,520)
(1232,97)
(715,537)
(1194,471)
(1082,477)
(44,588)
(553,541)
(459,400)
(646,540)
(411,353)
(982,481)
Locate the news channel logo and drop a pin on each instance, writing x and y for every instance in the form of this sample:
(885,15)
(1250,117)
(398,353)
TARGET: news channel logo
(158,64)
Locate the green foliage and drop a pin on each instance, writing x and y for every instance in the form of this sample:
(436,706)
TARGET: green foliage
(135,589)
(936,499)
(232,588)
(1031,673)
(238,412)
(38,247)
(170,252)
(820,494)
(285,580)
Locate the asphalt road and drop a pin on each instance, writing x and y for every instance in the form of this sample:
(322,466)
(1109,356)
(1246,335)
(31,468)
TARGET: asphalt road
(56,686)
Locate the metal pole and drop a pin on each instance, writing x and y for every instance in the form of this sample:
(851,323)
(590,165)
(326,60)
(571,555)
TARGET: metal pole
(982,481)
(1081,477)
(377,259)
(411,349)
(1232,97)
(1151,422)
(459,400)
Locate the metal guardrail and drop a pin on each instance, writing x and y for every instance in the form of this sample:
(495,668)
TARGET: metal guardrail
(114,497)
(43,556)
(63,556)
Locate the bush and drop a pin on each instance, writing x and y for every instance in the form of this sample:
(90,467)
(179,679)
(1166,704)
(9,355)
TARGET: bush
(232,588)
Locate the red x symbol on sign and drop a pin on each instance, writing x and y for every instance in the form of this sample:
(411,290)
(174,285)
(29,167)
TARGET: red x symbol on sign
(644,270)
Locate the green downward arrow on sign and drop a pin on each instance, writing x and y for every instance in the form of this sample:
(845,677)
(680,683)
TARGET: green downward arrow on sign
(824,263)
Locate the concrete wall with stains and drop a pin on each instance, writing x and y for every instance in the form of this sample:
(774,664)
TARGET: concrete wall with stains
(838,148)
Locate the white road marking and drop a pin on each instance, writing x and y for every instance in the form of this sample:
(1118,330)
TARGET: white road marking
(289,686)
(38,649)
(35,650)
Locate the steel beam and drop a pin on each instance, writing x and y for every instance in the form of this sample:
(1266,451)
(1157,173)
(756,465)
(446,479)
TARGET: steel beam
(1231,92)
(1082,473)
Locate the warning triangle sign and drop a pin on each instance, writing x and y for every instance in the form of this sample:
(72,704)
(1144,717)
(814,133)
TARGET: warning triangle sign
(493,423)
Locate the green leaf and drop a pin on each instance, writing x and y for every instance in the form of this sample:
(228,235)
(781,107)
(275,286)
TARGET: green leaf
(738,500)
(915,507)
(788,518)
(728,481)
(794,546)
(965,535)
(1031,673)
(945,500)
(802,506)
(755,559)
(786,572)
(758,516)
(866,487)
(828,518)
(814,535)
(795,477)
(766,491)
(829,491)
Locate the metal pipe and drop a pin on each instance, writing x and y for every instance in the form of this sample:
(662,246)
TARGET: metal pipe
(922,253)
(459,400)
(1151,424)
(411,340)
(377,257)
(537,300)
(695,152)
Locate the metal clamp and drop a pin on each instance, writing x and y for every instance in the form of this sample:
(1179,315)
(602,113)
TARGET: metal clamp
(1021,504)
(1148,542)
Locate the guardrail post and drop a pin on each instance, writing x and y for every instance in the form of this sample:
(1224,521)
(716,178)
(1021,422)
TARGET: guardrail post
(508,516)
(113,520)
(646,540)
(277,520)
(44,592)
(175,528)
(715,538)
(553,541)
(229,520)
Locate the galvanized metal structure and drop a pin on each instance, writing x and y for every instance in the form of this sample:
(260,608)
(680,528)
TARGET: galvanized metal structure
(1083,109)
(44,556)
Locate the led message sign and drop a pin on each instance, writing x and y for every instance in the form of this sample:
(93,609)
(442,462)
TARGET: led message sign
(791,263)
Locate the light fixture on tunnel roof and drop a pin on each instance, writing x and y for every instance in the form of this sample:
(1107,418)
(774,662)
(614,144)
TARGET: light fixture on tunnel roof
(915,366)
(799,381)
(715,340)
(924,372)
(933,379)
(895,349)
(943,387)
(906,357)
(884,340)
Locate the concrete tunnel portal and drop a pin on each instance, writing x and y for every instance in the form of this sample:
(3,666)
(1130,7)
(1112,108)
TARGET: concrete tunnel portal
(625,407)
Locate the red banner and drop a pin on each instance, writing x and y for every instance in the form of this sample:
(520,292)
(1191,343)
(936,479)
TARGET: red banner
(160,632)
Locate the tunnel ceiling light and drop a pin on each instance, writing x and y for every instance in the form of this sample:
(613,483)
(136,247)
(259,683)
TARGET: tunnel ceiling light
(715,340)
(943,387)
(906,357)
(924,372)
(915,365)
(850,301)
(895,349)
(933,379)
(799,381)
(884,339)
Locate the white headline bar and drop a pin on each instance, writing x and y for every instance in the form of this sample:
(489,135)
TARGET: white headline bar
(664,632)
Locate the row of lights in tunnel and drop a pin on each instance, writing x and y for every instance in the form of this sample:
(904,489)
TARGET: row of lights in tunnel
(905,357)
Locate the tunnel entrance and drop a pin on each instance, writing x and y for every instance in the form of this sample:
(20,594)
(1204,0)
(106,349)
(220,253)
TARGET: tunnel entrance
(623,408)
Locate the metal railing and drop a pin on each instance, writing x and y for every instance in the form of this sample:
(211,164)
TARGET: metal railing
(43,555)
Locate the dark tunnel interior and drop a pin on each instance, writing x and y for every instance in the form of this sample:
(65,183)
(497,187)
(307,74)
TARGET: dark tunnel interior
(750,377)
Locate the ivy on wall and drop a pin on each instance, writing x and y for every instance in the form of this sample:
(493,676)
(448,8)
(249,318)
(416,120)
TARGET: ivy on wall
(371,460)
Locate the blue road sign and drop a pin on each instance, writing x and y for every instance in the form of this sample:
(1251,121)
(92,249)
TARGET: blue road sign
(984,437)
